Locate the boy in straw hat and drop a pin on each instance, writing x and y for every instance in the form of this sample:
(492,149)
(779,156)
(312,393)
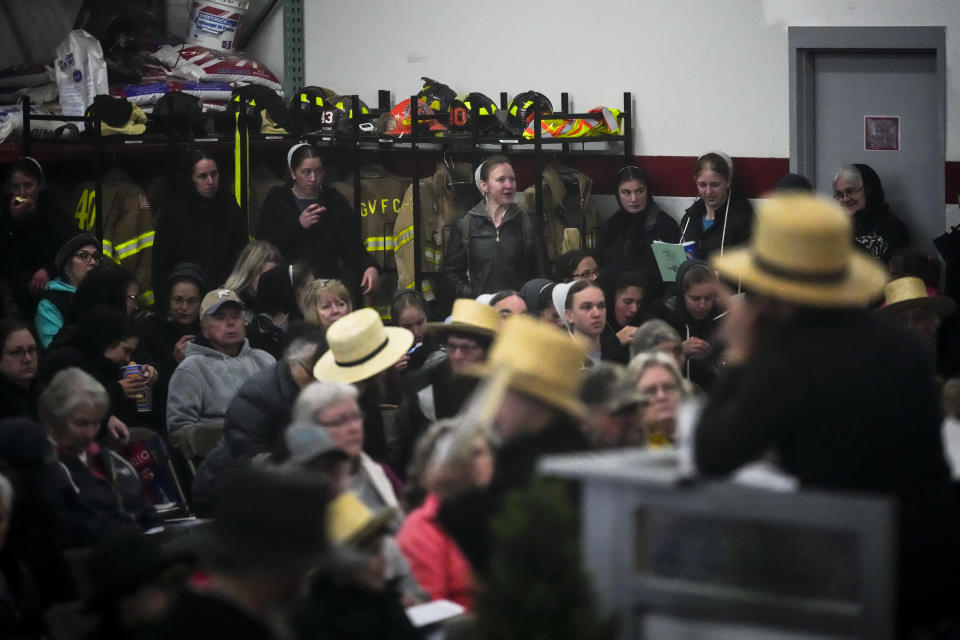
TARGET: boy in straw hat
(440,391)
(528,398)
(908,300)
(844,397)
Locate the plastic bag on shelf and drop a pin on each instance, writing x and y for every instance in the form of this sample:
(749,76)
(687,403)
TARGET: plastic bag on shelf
(81,72)
(200,64)
(39,95)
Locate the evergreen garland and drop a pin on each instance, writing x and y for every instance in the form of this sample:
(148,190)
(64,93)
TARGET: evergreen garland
(536,588)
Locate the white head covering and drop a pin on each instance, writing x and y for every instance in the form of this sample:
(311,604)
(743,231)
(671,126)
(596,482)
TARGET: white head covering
(726,158)
(291,152)
(559,295)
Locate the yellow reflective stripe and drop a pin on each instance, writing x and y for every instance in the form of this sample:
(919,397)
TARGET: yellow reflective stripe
(147,297)
(432,255)
(379,243)
(132,247)
(405,236)
(108,251)
(384,311)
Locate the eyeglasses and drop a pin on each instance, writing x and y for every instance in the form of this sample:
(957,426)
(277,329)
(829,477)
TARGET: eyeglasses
(83,256)
(846,193)
(589,274)
(666,388)
(20,352)
(466,348)
(178,300)
(343,421)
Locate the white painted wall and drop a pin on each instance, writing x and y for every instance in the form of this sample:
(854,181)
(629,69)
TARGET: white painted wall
(705,74)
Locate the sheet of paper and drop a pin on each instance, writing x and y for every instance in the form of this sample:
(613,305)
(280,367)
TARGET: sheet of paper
(669,258)
(422,615)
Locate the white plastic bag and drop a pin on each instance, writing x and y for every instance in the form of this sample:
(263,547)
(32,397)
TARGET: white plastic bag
(81,72)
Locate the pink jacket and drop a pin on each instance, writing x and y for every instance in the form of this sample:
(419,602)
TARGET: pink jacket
(436,560)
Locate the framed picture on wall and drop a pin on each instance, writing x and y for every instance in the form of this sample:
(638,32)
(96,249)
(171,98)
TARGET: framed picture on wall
(881,133)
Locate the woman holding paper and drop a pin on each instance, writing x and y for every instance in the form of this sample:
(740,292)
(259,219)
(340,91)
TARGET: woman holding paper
(719,217)
(693,312)
(626,236)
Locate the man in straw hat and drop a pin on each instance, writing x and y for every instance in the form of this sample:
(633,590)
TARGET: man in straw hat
(908,300)
(361,348)
(844,397)
(529,399)
(440,391)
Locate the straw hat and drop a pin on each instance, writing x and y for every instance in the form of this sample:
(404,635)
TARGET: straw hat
(349,521)
(911,293)
(361,347)
(802,251)
(469,316)
(538,360)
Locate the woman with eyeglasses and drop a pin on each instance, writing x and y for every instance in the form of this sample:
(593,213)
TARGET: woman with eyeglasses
(663,387)
(75,259)
(32,219)
(18,370)
(626,236)
(200,223)
(165,333)
(577,264)
(310,222)
(857,188)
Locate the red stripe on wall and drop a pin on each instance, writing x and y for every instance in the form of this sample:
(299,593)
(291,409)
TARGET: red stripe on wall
(669,175)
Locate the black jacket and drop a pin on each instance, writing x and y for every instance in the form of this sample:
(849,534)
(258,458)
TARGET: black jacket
(703,368)
(258,415)
(209,232)
(350,612)
(708,242)
(875,229)
(333,247)
(846,399)
(625,240)
(15,401)
(30,245)
(480,258)
(158,335)
(447,394)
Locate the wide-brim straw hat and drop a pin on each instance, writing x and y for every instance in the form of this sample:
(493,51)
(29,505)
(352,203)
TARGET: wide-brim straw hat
(469,316)
(911,293)
(351,522)
(539,360)
(802,251)
(361,347)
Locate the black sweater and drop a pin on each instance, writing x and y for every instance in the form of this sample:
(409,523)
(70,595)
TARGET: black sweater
(625,240)
(708,242)
(332,248)
(209,232)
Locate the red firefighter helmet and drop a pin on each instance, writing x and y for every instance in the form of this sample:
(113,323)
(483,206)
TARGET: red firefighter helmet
(398,122)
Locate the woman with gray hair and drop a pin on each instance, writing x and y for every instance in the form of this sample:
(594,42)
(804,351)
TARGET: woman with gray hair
(857,188)
(663,387)
(333,406)
(100,495)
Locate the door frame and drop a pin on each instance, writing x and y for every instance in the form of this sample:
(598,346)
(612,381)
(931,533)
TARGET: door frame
(806,42)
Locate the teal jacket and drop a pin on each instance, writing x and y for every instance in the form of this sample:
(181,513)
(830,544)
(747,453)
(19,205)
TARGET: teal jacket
(50,311)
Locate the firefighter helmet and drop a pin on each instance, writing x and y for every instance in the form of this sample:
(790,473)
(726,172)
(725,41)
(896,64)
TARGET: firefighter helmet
(309,105)
(398,121)
(436,94)
(521,111)
(473,109)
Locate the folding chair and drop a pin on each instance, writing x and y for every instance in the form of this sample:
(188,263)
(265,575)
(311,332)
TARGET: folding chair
(197,441)
(148,453)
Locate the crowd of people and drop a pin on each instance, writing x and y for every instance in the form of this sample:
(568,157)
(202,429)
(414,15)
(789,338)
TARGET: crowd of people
(358,463)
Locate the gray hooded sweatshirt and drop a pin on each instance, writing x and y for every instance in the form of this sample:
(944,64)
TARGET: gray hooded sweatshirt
(203,385)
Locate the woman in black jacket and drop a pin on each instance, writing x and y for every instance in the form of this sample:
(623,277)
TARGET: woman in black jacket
(495,245)
(309,222)
(857,188)
(693,312)
(626,236)
(719,218)
(201,223)
(32,224)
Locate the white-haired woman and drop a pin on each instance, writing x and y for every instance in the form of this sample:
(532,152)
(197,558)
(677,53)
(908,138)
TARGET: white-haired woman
(101,493)
(660,382)
(333,406)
